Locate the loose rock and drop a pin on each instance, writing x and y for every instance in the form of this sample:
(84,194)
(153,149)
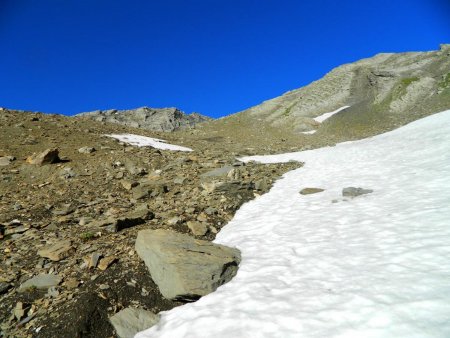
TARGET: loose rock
(130,321)
(43,281)
(46,157)
(57,251)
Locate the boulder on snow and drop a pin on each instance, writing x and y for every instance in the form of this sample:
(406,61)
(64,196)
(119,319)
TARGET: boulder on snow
(309,191)
(354,192)
(185,268)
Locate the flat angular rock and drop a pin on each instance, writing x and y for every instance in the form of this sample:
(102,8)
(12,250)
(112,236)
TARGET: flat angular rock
(46,157)
(135,217)
(354,192)
(130,321)
(310,191)
(197,228)
(43,281)
(218,172)
(57,251)
(185,268)
(115,224)
(86,150)
(5,160)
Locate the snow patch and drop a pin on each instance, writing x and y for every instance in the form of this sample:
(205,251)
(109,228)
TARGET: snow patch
(325,116)
(310,132)
(144,141)
(321,265)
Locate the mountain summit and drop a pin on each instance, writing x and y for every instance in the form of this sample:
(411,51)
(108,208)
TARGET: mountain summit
(157,119)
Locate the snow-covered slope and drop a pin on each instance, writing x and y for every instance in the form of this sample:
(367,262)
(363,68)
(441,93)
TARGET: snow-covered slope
(320,265)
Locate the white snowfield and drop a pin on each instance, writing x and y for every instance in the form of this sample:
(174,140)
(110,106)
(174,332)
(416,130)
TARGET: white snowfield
(144,141)
(325,116)
(377,265)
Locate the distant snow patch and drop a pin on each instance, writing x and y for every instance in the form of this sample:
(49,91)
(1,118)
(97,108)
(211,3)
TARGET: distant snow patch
(310,132)
(325,116)
(144,141)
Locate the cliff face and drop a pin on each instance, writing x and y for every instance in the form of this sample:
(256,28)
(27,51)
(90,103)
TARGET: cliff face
(164,119)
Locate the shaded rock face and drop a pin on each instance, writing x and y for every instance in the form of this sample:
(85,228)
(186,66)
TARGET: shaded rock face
(164,119)
(185,268)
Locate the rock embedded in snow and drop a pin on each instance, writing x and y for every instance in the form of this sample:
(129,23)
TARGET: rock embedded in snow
(130,321)
(310,191)
(354,192)
(42,281)
(185,268)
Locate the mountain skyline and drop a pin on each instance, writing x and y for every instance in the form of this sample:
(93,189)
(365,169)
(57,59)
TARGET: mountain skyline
(215,58)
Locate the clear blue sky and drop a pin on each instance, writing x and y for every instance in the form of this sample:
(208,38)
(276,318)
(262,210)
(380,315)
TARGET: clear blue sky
(215,57)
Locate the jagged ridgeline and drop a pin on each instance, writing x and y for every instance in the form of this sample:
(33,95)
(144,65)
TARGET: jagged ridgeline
(157,119)
(382,92)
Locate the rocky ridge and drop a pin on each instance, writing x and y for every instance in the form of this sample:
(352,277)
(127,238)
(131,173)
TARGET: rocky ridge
(383,92)
(157,119)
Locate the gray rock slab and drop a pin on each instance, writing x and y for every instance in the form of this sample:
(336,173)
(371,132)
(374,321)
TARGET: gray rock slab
(219,172)
(354,192)
(130,321)
(185,268)
(43,281)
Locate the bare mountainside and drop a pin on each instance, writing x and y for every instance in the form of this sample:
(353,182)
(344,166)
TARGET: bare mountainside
(382,93)
(157,119)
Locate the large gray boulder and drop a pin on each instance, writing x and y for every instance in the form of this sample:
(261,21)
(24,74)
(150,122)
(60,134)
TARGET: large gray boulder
(185,268)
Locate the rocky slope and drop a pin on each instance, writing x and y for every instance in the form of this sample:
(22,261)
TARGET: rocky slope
(382,92)
(69,219)
(157,119)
